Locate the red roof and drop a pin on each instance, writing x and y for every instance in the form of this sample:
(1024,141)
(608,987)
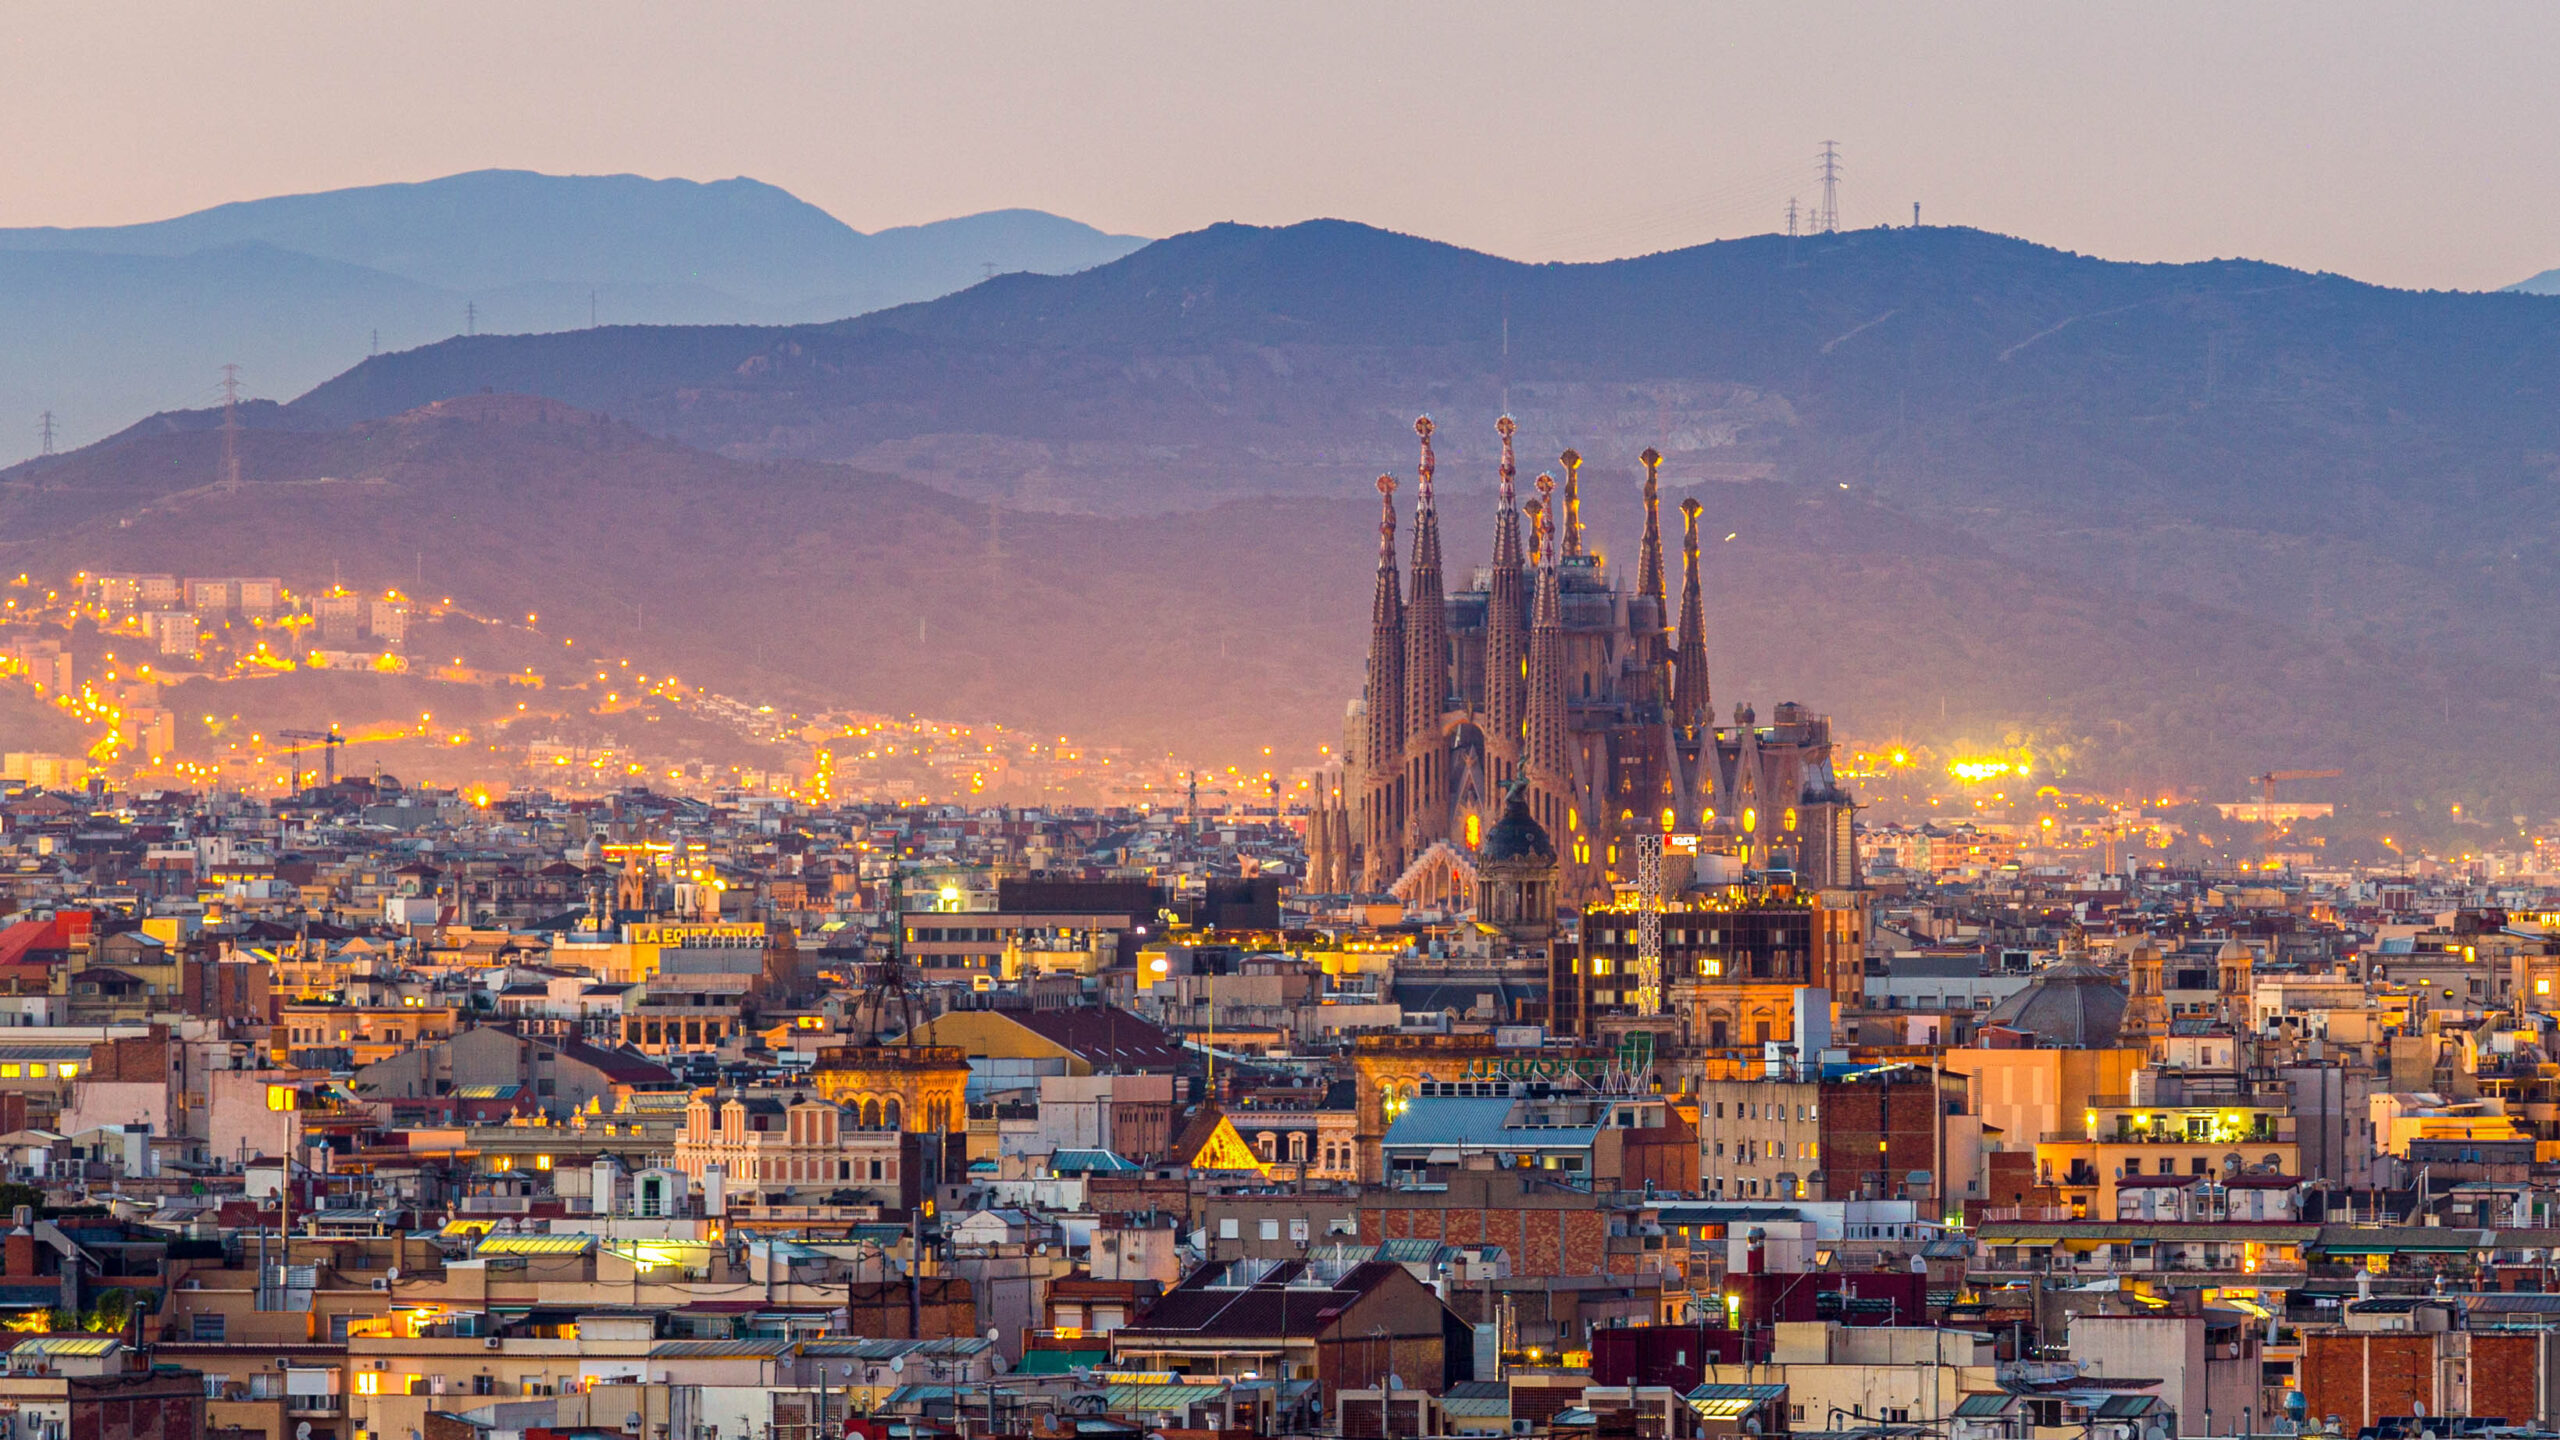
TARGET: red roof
(20,943)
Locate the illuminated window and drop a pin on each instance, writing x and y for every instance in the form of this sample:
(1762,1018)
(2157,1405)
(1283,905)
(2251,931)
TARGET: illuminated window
(68,1071)
(279,1097)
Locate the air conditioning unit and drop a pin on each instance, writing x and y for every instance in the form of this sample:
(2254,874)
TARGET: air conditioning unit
(381,1284)
(381,1364)
(489,1344)
(192,1284)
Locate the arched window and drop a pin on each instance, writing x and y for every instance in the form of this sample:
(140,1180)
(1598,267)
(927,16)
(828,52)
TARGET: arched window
(870,1114)
(1267,1145)
(890,1115)
(1297,1147)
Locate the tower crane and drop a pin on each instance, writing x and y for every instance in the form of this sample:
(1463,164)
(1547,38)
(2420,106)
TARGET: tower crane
(327,743)
(2267,783)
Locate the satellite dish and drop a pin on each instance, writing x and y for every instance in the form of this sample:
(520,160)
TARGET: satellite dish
(897,1364)
(394,1273)
(302,1431)
(846,1370)
(1395,1382)
(994,1333)
(2155,1431)
(2418,1409)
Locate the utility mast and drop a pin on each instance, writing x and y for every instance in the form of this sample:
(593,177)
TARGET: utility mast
(1828,221)
(44,433)
(1791,217)
(470,317)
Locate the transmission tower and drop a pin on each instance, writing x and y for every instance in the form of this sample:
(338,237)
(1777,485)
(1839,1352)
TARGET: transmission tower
(1828,221)
(231,426)
(44,431)
(471,317)
(1791,217)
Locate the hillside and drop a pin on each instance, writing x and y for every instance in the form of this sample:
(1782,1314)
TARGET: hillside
(2365,468)
(111,323)
(1221,629)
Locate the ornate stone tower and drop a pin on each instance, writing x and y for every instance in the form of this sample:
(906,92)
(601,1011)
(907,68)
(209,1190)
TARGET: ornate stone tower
(1548,761)
(1382,729)
(1506,637)
(1692,707)
(1426,670)
(2235,971)
(1571,460)
(2146,1004)
(1649,553)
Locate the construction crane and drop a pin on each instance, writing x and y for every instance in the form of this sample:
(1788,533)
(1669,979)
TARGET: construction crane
(327,742)
(2267,797)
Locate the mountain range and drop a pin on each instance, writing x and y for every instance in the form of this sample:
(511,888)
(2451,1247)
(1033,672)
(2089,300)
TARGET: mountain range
(112,323)
(2172,524)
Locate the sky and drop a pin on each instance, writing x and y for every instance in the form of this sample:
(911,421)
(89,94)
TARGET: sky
(2341,136)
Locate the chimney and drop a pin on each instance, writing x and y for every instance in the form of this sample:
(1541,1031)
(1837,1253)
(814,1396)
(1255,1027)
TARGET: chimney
(21,1253)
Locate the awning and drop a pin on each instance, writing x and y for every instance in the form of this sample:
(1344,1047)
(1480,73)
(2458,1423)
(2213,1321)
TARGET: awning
(1158,1399)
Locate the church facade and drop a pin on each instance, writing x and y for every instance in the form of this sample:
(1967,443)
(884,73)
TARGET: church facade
(1594,694)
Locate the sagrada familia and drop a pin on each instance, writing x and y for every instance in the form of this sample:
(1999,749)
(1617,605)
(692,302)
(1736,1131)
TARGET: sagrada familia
(1546,671)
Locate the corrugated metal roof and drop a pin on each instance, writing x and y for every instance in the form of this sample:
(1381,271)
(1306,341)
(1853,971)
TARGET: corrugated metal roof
(718,1349)
(70,1345)
(536,1245)
(1153,1399)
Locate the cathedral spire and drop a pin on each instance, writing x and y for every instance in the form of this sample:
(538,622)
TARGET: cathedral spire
(1691,705)
(1572,461)
(1426,666)
(1649,562)
(1382,727)
(1547,761)
(1506,640)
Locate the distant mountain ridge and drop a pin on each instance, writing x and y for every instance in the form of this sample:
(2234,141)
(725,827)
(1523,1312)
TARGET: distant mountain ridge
(112,323)
(2363,472)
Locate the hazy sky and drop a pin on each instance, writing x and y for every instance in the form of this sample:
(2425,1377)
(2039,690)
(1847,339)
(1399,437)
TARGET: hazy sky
(2412,145)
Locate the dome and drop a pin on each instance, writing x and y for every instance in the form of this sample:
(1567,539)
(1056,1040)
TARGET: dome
(1516,836)
(2074,1006)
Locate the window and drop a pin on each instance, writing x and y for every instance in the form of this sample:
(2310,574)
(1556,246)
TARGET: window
(1298,1231)
(1227,1229)
(1270,1229)
(205,1328)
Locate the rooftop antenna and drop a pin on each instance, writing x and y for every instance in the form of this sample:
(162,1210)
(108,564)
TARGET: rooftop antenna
(44,432)
(1828,222)
(231,426)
